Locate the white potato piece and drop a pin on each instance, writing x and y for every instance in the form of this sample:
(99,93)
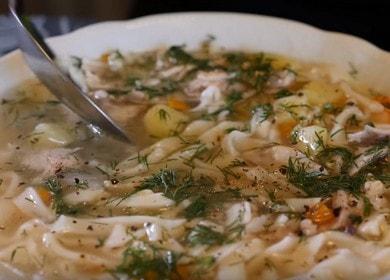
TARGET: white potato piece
(162,121)
(318,93)
(291,107)
(312,138)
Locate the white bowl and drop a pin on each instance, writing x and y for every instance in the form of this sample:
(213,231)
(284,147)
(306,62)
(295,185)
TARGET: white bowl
(232,30)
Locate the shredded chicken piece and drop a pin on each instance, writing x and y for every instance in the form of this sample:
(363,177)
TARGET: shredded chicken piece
(281,79)
(365,159)
(347,205)
(370,135)
(205,79)
(375,192)
(49,161)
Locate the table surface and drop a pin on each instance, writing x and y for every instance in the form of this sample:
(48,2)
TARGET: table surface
(47,26)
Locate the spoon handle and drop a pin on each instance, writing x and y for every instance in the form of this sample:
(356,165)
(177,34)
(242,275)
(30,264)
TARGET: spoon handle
(40,59)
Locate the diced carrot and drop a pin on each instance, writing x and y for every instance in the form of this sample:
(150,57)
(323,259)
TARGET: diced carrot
(384,99)
(151,275)
(320,214)
(45,195)
(183,271)
(178,104)
(104,57)
(285,128)
(382,117)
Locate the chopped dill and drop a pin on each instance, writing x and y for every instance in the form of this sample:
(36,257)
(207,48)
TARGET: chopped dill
(283,93)
(203,235)
(230,102)
(103,171)
(264,111)
(143,159)
(336,132)
(329,153)
(315,184)
(203,264)
(164,180)
(163,115)
(237,162)
(214,154)
(367,207)
(253,70)
(58,204)
(178,55)
(114,164)
(378,165)
(80,184)
(353,72)
(353,121)
(289,108)
(199,150)
(202,204)
(329,108)
(198,208)
(30,200)
(163,88)
(201,191)
(13,254)
(149,262)
(227,172)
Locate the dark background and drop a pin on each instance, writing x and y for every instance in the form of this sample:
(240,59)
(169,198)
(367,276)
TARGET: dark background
(367,19)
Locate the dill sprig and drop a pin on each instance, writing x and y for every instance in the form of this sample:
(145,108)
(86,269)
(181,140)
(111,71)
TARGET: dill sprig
(329,153)
(163,88)
(227,173)
(163,115)
(263,111)
(292,110)
(204,203)
(283,93)
(230,101)
(177,186)
(379,165)
(200,190)
(198,208)
(315,184)
(253,70)
(148,263)
(58,204)
(203,235)
(178,55)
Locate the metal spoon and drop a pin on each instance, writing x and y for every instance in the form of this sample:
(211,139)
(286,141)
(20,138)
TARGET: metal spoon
(40,58)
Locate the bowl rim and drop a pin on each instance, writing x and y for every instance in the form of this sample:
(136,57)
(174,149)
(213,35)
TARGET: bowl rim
(151,19)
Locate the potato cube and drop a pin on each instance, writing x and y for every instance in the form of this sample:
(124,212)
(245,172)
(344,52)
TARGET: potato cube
(318,93)
(162,121)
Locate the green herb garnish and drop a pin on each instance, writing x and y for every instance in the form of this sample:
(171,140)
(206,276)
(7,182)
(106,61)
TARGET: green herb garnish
(203,235)
(283,93)
(316,184)
(148,263)
(264,111)
(58,204)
